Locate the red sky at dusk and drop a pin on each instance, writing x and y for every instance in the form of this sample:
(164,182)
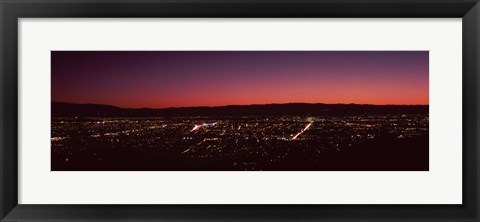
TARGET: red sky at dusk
(159,79)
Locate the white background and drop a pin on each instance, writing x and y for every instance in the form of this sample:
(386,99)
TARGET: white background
(441,185)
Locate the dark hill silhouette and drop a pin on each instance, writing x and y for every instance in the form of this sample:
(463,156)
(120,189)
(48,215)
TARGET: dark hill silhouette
(61,109)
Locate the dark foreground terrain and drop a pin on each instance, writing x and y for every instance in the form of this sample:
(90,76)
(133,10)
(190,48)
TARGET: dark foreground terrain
(336,137)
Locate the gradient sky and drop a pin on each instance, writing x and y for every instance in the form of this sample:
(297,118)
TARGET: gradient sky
(158,79)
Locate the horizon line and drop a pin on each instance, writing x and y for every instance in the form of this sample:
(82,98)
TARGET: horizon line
(255,104)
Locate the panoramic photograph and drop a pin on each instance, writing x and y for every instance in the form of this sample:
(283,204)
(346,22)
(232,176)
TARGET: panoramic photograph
(239,111)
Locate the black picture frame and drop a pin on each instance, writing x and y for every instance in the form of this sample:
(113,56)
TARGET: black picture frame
(12,10)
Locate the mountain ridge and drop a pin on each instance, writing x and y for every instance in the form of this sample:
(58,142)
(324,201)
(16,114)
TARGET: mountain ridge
(64,109)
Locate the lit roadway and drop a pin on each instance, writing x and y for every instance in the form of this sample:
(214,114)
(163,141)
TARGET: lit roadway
(197,127)
(303,130)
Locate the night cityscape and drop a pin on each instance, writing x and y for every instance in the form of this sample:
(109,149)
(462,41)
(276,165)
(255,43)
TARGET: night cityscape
(192,111)
(349,142)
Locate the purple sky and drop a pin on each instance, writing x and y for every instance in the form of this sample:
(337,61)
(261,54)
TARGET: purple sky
(160,79)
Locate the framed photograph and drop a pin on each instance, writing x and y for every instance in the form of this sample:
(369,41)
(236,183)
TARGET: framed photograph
(227,110)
